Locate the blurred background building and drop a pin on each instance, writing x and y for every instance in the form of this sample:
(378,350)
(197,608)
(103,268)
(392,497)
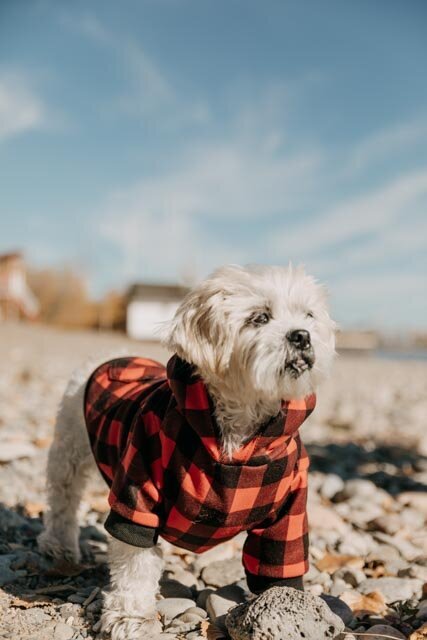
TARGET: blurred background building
(148,305)
(17,301)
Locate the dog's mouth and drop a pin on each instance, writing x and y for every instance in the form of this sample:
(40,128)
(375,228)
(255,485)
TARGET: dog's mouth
(299,363)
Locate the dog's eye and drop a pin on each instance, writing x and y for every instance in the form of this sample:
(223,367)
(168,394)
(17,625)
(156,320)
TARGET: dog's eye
(260,318)
(309,314)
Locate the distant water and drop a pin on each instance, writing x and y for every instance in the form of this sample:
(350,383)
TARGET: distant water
(419,355)
(389,354)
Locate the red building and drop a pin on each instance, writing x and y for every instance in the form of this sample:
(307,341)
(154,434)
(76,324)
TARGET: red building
(17,301)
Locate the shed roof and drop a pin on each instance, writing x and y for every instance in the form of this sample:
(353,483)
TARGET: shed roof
(158,292)
(9,257)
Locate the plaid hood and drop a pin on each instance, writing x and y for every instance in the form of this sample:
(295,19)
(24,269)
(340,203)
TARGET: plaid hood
(195,404)
(157,444)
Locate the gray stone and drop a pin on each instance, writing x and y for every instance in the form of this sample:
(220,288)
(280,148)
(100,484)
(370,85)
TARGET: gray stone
(69,609)
(216,554)
(35,616)
(409,551)
(356,543)
(349,575)
(95,606)
(361,512)
(11,520)
(281,612)
(188,617)
(218,603)
(384,553)
(169,608)
(223,572)
(7,576)
(75,598)
(217,606)
(414,571)
(422,610)
(393,589)
(359,487)
(180,627)
(340,608)
(379,631)
(184,577)
(331,485)
(392,523)
(365,489)
(198,611)
(338,587)
(63,631)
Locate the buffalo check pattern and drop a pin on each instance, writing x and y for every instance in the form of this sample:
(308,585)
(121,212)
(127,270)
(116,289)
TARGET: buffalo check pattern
(156,442)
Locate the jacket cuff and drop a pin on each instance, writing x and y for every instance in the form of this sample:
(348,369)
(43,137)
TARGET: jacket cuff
(132,533)
(258,584)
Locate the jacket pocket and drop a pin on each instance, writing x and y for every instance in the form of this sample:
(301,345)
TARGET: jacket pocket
(135,370)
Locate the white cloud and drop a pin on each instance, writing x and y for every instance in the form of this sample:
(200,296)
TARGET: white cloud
(21,110)
(392,140)
(157,223)
(348,219)
(161,223)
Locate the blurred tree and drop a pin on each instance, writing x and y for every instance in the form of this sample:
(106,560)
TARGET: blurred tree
(63,298)
(64,301)
(112,311)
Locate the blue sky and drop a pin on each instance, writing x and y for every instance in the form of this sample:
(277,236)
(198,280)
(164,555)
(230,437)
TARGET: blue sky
(156,139)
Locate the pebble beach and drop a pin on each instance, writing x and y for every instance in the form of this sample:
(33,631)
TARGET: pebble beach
(367,504)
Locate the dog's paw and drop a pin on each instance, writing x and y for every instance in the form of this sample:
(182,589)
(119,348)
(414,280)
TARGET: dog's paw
(61,551)
(120,626)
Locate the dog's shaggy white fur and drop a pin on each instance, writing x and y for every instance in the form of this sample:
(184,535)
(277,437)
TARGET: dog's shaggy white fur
(257,336)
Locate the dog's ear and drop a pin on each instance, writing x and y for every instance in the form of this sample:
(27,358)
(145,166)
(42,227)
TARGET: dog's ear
(199,332)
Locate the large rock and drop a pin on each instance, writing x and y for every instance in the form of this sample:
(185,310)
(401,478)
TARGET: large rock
(282,612)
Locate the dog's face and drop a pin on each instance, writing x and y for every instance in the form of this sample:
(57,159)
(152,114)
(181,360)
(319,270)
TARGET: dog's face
(264,331)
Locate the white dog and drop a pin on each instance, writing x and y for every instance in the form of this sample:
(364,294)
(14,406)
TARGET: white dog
(251,346)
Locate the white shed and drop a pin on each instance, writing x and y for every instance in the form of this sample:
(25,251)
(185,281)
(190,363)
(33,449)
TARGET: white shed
(148,306)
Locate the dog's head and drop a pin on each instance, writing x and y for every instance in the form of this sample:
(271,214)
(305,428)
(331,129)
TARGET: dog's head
(263,330)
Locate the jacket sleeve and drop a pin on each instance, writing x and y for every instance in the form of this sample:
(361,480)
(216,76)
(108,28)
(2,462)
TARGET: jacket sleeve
(134,534)
(277,554)
(134,494)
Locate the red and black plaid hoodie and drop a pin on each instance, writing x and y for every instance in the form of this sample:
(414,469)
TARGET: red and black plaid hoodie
(157,444)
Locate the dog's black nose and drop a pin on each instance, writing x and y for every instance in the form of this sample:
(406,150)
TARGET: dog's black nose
(299,338)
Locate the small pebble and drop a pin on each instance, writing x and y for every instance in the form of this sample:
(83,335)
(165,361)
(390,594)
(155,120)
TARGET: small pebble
(63,631)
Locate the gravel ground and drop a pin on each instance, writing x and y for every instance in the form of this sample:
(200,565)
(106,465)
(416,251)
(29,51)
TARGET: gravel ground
(368,503)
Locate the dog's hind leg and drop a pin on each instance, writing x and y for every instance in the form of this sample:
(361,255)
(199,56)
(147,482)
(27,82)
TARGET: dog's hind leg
(69,465)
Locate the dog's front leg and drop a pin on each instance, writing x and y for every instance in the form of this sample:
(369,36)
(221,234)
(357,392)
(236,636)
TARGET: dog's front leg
(129,611)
